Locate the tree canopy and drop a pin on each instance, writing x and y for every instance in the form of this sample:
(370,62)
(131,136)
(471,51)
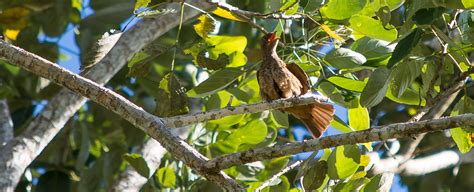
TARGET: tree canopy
(153,95)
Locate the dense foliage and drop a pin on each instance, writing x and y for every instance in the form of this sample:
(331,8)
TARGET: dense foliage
(381,61)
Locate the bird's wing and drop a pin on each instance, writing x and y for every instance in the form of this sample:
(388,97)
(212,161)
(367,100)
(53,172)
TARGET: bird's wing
(268,90)
(301,75)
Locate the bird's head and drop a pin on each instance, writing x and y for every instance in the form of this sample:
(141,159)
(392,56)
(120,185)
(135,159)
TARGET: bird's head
(270,41)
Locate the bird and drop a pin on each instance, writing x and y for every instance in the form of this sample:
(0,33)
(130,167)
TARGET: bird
(278,80)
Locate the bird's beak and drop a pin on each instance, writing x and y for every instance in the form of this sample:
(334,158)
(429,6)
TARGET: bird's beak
(273,38)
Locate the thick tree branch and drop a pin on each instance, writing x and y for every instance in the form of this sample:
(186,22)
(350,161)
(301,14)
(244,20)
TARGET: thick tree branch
(440,103)
(419,166)
(272,15)
(152,152)
(279,174)
(183,120)
(130,179)
(119,105)
(6,124)
(397,130)
(18,154)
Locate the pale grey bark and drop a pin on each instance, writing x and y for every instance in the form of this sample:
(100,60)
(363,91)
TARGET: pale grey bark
(117,104)
(419,166)
(21,151)
(152,152)
(397,130)
(183,120)
(6,124)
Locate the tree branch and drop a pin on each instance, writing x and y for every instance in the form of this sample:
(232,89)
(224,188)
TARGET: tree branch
(152,152)
(279,174)
(272,15)
(19,153)
(119,105)
(397,130)
(183,120)
(6,124)
(418,166)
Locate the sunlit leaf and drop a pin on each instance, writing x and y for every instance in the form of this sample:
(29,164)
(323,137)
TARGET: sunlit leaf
(141,4)
(226,14)
(340,125)
(331,33)
(166,178)
(289,7)
(205,26)
(359,118)
(342,9)
(462,139)
(372,28)
(343,161)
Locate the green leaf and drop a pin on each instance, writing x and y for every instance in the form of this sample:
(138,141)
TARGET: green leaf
(410,97)
(351,185)
(380,182)
(349,84)
(316,176)
(373,28)
(227,44)
(280,118)
(375,5)
(372,49)
(468,4)
(205,26)
(141,4)
(405,46)
(403,76)
(340,125)
(290,7)
(226,14)
(221,100)
(336,95)
(171,99)
(343,58)
(343,161)
(282,186)
(428,15)
(213,64)
(342,9)
(358,118)
(376,87)
(216,82)
(253,132)
(462,138)
(166,178)
(138,163)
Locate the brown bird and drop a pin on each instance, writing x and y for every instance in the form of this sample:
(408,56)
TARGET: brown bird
(278,80)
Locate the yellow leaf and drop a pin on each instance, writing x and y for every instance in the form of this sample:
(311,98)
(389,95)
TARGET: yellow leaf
(11,34)
(331,33)
(14,18)
(226,14)
(364,160)
(141,4)
(204,26)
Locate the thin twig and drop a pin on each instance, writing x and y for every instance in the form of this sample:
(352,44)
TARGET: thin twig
(279,174)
